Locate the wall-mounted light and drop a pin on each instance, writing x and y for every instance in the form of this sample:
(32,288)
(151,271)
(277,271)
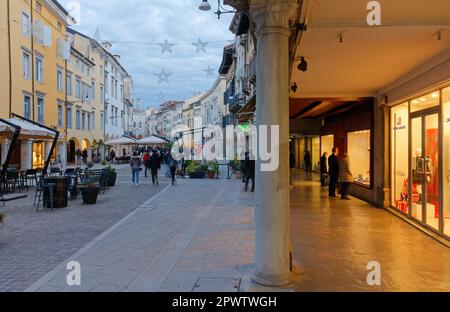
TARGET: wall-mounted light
(294,87)
(303,65)
(205,6)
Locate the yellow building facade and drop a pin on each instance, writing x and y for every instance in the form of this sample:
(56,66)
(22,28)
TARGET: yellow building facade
(33,73)
(85,94)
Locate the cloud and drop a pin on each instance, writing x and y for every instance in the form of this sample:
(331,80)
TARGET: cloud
(153,21)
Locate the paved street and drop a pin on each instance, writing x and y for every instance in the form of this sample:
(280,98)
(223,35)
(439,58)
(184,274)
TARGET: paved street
(198,236)
(32,243)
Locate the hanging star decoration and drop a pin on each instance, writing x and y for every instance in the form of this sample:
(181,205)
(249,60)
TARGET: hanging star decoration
(166,46)
(201,46)
(209,71)
(163,76)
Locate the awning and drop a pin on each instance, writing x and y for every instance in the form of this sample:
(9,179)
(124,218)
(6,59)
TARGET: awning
(151,140)
(28,130)
(247,111)
(122,141)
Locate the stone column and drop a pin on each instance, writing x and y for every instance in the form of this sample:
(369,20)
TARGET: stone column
(26,155)
(272,259)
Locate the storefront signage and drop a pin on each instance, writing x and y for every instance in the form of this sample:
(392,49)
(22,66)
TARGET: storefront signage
(399,128)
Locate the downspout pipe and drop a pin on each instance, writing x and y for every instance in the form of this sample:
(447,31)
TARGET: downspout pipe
(9,57)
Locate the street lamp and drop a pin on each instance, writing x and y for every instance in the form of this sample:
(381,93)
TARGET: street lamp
(205,6)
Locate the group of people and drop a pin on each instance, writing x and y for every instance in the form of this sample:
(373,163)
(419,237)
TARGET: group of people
(81,156)
(152,161)
(339,172)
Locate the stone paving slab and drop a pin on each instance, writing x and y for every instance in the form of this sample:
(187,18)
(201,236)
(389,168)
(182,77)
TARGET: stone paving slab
(164,244)
(32,243)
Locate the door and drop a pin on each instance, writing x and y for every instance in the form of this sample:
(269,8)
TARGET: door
(425,169)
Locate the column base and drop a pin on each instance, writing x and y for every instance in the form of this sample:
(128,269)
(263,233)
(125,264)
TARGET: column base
(272,280)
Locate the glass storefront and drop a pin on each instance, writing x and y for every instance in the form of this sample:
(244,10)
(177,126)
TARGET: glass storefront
(446,158)
(358,150)
(416,151)
(38,155)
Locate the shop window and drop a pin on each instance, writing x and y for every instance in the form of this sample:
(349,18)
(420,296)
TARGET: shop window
(446,162)
(327,144)
(358,149)
(424,102)
(38,155)
(399,156)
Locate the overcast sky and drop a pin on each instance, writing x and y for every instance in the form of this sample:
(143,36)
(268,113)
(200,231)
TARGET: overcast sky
(153,21)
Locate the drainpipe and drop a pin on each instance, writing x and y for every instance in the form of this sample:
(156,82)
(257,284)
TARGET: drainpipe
(9,57)
(33,90)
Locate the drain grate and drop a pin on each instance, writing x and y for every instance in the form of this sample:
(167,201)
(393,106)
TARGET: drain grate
(217,284)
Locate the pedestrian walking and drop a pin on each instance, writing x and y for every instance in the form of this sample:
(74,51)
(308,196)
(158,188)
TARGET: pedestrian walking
(85,156)
(154,164)
(135,164)
(173,168)
(291,166)
(112,155)
(79,156)
(333,170)
(145,161)
(345,176)
(308,163)
(250,172)
(244,163)
(323,169)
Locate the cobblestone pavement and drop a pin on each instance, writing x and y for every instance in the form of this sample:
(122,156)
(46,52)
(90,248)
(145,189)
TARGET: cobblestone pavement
(32,243)
(198,232)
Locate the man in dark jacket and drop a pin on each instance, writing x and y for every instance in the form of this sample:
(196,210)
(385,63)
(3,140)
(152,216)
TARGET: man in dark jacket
(333,170)
(154,164)
(323,168)
(250,173)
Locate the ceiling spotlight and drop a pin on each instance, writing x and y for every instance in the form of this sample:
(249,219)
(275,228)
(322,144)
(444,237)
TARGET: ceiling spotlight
(205,6)
(303,65)
(294,87)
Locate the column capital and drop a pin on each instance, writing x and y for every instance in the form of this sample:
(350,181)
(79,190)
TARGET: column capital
(272,15)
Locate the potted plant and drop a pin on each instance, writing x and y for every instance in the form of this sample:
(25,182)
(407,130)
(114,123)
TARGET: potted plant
(213,168)
(236,168)
(196,170)
(112,175)
(90,190)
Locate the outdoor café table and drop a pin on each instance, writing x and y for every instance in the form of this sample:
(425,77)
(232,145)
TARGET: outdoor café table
(59,192)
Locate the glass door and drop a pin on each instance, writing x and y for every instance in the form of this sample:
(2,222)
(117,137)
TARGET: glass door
(425,171)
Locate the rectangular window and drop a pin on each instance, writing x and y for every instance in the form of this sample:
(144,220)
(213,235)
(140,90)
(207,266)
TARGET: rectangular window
(27,106)
(69,84)
(78,88)
(59,79)
(112,86)
(359,151)
(102,72)
(89,121)
(102,94)
(69,117)
(102,121)
(399,156)
(39,69)
(60,114)
(25,25)
(78,119)
(40,109)
(38,7)
(83,121)
(26,64)
(93,120)
(93,91)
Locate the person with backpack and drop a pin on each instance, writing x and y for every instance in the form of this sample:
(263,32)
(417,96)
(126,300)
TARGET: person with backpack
(145,160)
(135,163)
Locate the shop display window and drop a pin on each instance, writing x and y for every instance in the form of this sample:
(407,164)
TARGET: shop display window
(399,156)
(446,162)
(316,153)
(358,149)
(326,144)
(38,155)
(424,102)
